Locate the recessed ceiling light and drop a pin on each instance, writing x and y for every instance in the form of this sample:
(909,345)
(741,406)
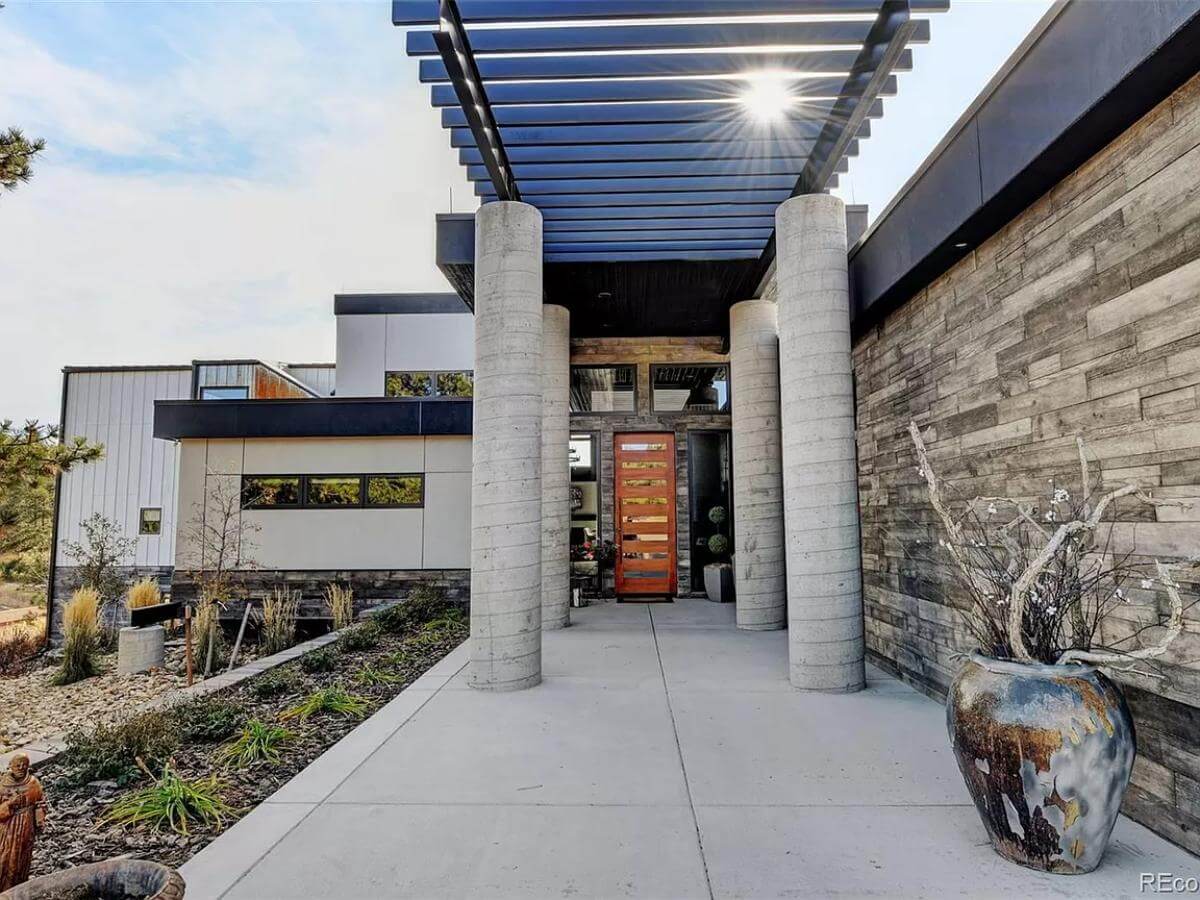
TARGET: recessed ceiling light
(604,296)
(961,245)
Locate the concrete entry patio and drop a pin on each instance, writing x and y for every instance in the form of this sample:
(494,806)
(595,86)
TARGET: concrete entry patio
(665,755)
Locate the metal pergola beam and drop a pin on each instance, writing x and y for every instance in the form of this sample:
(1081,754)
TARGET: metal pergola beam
(883,48)
(418,12)
(459,62)
(669,129)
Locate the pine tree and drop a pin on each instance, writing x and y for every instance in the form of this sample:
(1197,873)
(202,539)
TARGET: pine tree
(16,155)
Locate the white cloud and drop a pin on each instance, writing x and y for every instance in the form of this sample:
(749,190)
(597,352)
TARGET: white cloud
(98,267)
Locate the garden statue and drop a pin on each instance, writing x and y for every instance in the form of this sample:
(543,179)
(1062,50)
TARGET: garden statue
(22,816)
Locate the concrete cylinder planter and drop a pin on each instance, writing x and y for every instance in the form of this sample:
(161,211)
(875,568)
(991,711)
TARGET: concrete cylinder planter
(141,649)
(132,878)
(1046,752)
(718,582)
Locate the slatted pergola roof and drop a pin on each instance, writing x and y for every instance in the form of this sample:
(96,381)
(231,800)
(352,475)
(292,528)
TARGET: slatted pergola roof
(659,129)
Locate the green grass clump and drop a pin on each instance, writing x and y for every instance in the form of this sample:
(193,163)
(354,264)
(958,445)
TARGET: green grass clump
(334,700)
(370,676)
(423,604)
(276,683)
(323,660)
(258,742)
(359,637)
(438,631)
(172,802)
(208,720)
(111,752)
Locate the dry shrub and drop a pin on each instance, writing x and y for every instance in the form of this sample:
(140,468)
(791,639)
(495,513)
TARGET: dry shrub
(81,636)
(341,605)
(206,624)
(279,613)
(18,644)
(143,593)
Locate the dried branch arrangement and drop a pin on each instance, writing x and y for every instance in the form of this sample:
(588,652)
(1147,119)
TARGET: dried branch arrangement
(1042,581)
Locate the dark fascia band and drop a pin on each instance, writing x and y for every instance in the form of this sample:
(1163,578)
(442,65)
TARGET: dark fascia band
(176,420)
(397,304)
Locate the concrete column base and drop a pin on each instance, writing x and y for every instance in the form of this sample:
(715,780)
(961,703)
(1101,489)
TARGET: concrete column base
(141,649)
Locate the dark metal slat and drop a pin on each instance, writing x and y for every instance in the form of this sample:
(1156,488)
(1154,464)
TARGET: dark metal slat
(424,12)
(672,225)
(635,113)
(795,136)
(535,187)
(503,93)
(636,152)
(758,235)
(574,39)
(653,65)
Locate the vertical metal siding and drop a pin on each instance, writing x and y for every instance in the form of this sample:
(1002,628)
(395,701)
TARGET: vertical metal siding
(117,410)
(321,379)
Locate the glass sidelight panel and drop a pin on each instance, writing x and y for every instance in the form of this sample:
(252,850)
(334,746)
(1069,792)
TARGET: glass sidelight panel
(709,469)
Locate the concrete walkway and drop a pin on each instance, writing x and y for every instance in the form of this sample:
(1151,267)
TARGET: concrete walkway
(664,756)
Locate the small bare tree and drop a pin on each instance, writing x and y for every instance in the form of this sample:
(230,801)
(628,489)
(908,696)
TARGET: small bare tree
(217,542)
(1039,582)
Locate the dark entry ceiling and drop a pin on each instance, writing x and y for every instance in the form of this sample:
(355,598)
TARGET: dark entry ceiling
(657,137)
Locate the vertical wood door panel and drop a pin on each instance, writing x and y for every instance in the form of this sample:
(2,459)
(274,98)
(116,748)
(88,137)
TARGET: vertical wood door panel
(644,472)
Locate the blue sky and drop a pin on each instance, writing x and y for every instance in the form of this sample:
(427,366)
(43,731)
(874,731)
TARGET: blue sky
(215,172)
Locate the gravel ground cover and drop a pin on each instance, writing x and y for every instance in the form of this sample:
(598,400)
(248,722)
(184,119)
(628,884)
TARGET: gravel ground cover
(196,742)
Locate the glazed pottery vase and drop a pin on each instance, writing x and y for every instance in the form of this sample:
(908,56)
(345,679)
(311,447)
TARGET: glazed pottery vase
(1046,752)
(132,878)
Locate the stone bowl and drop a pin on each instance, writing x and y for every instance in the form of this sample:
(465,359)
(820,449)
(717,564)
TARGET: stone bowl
(116,878)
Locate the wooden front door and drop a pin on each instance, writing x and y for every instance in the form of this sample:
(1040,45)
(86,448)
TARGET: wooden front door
(645,513)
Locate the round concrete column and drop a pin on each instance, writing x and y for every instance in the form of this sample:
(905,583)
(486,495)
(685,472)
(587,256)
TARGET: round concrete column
(556,467)
(757,467)
(824,581)
(506,479)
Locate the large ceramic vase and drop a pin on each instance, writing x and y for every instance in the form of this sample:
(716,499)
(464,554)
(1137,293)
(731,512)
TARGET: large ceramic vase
(132,878)
(1046,752)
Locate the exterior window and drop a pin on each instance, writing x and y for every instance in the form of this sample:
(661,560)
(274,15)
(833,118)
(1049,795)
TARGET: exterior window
(429,384)
(333,490)
(603,389)
(455,384)
(268,491)
(395,490)
(581,452)
(408,384)
(150,521)
(225,393)
(687,388)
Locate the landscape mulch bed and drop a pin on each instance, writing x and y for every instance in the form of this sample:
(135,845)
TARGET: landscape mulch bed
(76,832)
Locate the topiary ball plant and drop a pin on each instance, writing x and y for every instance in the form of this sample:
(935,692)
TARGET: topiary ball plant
(717,515)
(718,545)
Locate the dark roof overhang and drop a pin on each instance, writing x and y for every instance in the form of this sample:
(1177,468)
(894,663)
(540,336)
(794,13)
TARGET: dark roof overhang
(176,420)
(1086,74)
